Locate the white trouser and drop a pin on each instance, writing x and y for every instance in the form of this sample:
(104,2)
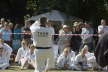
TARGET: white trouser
(8,56)
(26,62)
(44,59)
(55,50)
(23,61)
(92,62)
(4,66)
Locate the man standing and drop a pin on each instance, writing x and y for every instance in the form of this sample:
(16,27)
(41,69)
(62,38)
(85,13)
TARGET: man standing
(103,27)
(42,39)
(87,37)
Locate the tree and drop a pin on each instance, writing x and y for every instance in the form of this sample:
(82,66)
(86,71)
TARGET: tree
(13,9)
(91,10)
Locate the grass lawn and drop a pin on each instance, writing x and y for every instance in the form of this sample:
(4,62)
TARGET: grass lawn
(17,69)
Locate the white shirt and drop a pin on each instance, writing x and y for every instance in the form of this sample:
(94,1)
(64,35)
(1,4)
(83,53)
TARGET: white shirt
(63,60)
(7,47)
(80,58)
(8,50)
(22,53)
(42,36)
(100,28)
(87,38)
(3,57)
(88,54)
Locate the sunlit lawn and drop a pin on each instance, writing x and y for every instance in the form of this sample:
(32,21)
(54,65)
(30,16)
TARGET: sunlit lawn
(17,69)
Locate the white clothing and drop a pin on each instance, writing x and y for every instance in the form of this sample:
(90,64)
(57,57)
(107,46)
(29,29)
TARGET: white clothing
(31,58)
(88,54)
(80,58)
(92,62)
(72,54)
(21,54)
(102,28)
(42,36)
(55,50)
(8,50)
(63,40)
(62,60)
(4,61)
(80,62)
(44,59)
(87,38)
(52,30)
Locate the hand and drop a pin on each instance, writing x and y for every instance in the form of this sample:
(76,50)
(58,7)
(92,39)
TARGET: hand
(66,65)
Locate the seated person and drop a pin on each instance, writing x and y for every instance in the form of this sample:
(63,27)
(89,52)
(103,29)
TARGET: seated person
(91,60)
(64,60)
(31,57)
(7,48)
(80,62)
(21,56)
(4,61)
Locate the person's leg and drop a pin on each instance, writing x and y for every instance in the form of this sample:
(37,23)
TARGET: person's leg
(32,62)
(40,60)
(23,62)
(50,60)
(4,66)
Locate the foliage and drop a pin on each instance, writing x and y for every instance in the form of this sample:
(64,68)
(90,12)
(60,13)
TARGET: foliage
(92,10)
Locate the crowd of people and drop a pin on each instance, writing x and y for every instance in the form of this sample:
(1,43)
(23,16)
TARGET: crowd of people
(73,49)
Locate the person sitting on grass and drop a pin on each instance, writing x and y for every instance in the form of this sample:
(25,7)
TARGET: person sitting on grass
(80,62)
(31,57)
(4,62)
(7,48)
(21,56)
(64,60)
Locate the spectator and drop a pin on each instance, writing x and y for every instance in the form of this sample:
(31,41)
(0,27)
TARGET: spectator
(7,48)
(103,27)
(6,34)
(26,34)
(11,25)
(4,63)
(91,60)
(81,60)
(86,37)
(16,37)
(31,57)
(76,40)
(21,56)
(2,22)
(64,60)
(64,40)
(27,25)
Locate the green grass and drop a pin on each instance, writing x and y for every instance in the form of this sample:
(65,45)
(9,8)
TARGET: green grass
(17,69)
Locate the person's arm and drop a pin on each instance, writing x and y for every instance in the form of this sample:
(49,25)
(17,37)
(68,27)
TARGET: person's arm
(77,59)
(82,37)
(18,56)
(60,62)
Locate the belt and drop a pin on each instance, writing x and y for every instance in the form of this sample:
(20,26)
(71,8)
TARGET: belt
(43,47)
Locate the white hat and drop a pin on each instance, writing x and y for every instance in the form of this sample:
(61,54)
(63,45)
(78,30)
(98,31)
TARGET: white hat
(65,26)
